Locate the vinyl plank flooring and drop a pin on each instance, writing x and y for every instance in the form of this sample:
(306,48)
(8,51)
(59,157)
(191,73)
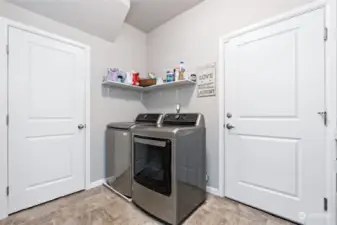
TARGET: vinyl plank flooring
(100,206)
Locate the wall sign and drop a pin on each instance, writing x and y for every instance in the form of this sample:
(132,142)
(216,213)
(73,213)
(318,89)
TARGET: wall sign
(206,81)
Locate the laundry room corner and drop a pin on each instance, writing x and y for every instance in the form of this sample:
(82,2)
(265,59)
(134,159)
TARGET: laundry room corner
(193,111)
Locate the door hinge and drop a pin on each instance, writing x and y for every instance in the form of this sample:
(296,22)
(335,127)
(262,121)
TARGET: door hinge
(325,204)
(325,117)
(7,49)
(326,33)
(7,190)
(7,120)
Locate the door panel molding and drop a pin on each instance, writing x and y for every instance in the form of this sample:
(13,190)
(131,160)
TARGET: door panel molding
(4,26)
(331,93)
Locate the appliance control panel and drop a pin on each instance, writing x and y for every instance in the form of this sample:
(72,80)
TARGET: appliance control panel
(149,118)
(181,119)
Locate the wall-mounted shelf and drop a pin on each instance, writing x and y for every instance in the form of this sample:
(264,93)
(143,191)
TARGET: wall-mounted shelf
(122,86)
(175,84)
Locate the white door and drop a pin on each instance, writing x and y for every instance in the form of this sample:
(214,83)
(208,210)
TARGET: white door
(275,154)
(46,104)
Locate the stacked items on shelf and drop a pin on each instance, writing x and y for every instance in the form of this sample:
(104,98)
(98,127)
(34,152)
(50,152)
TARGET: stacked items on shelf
(116,75)
(179,73)
(119,76)
(129,78)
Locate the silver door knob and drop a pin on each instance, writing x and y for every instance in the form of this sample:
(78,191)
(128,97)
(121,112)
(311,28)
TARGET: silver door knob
(81,126)
(229,126)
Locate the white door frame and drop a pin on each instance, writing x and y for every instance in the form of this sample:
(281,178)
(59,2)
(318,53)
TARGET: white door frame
(331,95)
(4,25)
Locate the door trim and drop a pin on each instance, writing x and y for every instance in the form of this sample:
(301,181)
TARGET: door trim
(4,25)
(331,95)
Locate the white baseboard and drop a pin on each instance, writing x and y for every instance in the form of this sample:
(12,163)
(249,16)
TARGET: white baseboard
(2,217)
(96,183)
(116,192)
(213,191)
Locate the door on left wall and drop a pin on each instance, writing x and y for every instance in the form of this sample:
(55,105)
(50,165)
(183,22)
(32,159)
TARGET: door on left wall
(46,106)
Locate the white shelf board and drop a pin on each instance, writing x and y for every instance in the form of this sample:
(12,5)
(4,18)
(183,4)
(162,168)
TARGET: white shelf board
(169,85)
(175,84)
(122,86)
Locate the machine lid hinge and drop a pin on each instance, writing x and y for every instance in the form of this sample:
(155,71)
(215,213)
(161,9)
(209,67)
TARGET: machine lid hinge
(7,190)
(7,120)
(7,49)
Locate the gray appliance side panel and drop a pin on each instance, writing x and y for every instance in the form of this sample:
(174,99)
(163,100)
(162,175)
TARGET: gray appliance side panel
(109,153)
(190,172)
(118,160)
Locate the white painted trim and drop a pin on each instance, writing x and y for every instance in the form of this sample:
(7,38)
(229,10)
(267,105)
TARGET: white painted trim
(331,93)
(213,191)
(117,193)
(87,119)
(282,17)
(221,99)
(96,184)
(37,31)
(3,113)
(331,101)
(4,24)
(210,190)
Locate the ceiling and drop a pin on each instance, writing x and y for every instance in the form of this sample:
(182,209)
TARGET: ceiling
(102,18)
(149,14)
(105,18)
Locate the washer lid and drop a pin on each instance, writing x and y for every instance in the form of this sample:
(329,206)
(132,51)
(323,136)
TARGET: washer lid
(123,126)
(149,118)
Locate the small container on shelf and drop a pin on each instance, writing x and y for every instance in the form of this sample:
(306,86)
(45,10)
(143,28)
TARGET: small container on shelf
(176,74)
(128,79)
(147,82)
(135,79)
(169,76)
(182,70)
(193,77)
(159,81)
(112,74)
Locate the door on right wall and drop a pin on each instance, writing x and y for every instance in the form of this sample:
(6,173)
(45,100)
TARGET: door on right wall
(275,134)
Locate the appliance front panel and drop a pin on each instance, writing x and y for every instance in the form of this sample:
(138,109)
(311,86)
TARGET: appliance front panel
(159,205)
(154,203)
(152,163)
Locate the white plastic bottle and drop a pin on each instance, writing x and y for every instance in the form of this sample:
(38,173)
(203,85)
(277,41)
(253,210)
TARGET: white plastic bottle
(176,74)
(182,66)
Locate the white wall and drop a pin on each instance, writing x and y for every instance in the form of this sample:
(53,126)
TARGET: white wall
(193,37)
(127,52)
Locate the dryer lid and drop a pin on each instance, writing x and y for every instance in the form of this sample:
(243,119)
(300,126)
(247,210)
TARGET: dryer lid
(122,126)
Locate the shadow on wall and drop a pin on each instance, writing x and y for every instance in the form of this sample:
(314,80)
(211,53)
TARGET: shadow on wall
(168,98)
(127,95)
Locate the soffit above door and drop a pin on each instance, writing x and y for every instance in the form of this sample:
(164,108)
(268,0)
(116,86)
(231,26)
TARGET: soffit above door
(102,18)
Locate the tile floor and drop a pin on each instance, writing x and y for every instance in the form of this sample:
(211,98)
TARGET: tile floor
(100,206)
